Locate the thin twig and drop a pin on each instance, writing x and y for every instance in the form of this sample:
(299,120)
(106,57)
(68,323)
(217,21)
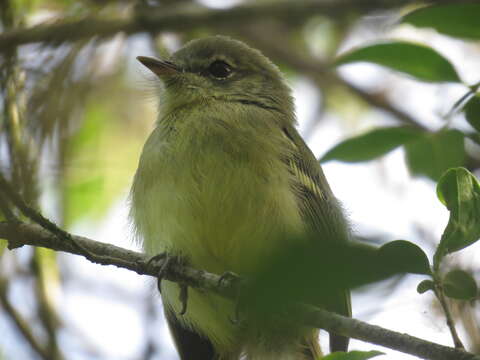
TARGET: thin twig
(26,210)
(448,315)
(35,216)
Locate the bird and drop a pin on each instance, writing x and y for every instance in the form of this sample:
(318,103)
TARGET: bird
(224,181)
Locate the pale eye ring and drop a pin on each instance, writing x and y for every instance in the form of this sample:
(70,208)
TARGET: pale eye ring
(220,69)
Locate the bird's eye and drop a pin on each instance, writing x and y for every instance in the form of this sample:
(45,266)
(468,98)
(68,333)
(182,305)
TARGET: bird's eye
(220,69)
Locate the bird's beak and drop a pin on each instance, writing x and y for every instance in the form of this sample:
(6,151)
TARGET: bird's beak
(159,67)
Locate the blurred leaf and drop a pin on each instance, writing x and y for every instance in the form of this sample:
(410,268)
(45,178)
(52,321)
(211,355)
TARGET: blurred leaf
(459,20)
(3,246)
(459,191)
(318,272)
(425,286)
(101,156)
(472,112)
(26,6)
(372,144)
(83,196)
(58,98)
(405,256)
(48,273)
(460,285)
(432,154)
(352,355)
(416,60)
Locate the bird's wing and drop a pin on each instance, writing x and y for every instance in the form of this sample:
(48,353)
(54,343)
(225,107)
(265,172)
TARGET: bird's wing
(321,211)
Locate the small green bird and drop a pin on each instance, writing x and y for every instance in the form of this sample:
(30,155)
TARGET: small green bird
(224,181)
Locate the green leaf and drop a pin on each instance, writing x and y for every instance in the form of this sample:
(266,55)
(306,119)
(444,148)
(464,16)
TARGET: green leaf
(416,60)
(405,256)
(432,154)
(459,191)
(372,144)
(472,112)
(352,355)
(460,285)
(425,286)
(459,20)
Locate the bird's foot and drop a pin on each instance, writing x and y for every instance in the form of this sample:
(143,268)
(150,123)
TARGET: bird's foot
(228,278)
(166,261)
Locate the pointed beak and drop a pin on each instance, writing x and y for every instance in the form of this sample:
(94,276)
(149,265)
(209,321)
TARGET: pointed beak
(159,67)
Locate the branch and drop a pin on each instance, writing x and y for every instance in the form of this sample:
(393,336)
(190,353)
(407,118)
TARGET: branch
(377,335)
(182,19)
(19,233)
(106,254)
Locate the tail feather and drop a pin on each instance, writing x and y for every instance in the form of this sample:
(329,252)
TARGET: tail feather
(338,343)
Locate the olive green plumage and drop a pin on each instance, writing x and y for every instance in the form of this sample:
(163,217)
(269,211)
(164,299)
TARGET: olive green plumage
(224,181)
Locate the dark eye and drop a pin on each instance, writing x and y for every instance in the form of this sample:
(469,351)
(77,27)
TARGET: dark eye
(220,69)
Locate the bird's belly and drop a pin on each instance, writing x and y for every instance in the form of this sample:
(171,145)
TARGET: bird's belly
(223,219)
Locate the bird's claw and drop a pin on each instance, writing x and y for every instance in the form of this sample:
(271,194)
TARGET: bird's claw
(166,262)
(183,297)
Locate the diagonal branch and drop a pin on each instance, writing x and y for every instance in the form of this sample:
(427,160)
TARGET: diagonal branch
(106,254)
(186,18)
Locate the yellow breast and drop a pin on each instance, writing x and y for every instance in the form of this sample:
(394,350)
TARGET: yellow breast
(221,206)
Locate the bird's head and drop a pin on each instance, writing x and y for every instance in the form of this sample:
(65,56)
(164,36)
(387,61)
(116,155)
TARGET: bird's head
(221,69)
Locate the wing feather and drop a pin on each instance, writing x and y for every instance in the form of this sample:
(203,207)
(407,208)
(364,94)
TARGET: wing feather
(321,211)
